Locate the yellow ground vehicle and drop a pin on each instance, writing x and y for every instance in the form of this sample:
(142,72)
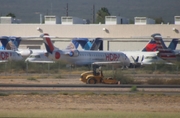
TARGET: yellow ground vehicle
(96,76)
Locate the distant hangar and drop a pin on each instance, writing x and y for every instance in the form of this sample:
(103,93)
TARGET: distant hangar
(117,33)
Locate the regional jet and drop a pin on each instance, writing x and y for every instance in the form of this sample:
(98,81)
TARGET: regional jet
(8,55)
(148,54)
(39,57)
(12,43)
(84,57)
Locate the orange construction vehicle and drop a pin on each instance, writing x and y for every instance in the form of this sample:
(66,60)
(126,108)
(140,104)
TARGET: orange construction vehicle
(96,76)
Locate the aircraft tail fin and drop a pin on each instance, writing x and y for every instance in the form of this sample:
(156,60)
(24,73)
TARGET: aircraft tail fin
(10,43)
(76,44)
(88,45)
(96,44)
(16,41)
(151,46)
(164,53)
(159,41)
(84,42)
(173,44)
(48,43)
(4,41)
(72,46)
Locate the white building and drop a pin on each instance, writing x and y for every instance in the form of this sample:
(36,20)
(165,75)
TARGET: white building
(143,21)
(69,20)
(113,20)
(177,20)
(6,20)
(115,37)
(51,20)
(9,20)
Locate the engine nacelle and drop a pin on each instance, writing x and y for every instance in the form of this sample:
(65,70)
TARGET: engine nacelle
(25,53)
(73,53)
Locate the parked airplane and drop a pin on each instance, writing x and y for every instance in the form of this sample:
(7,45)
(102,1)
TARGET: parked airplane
(148,54)
(153,57)
(164,52)
(85,57)
(137,58)
(12,43)
(8,55)
(39,57)
(36,55)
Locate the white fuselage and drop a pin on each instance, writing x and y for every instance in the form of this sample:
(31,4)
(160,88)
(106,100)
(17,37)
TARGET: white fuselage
(143,57)
(9,55)
(27,52)
(87,57)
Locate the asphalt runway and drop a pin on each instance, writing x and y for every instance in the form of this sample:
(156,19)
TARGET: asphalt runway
(88,86)
(71,84)
(84,88)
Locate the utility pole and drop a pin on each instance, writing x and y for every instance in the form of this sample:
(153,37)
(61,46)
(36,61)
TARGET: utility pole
(67,9)
(51,8)
(93,14)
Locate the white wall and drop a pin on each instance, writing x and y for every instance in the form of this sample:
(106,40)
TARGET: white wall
(115,32)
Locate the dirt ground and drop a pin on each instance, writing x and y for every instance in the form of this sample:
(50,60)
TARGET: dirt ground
(84,102)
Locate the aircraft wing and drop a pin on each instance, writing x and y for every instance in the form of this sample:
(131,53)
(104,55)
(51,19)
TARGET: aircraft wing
(33,37)
(1,61)
(41,61)
(108,62)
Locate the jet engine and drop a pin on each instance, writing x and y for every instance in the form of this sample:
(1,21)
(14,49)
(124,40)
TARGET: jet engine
(25,53)
(73,53)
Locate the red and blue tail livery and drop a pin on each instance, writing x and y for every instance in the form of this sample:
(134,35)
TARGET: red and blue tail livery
(48,43)
(158,44)
(151,46)
(165,53)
